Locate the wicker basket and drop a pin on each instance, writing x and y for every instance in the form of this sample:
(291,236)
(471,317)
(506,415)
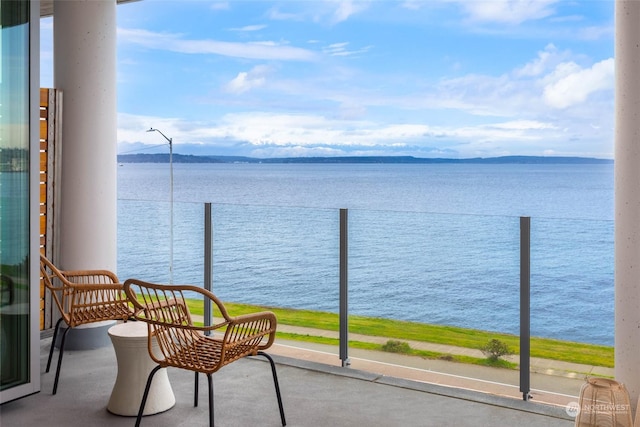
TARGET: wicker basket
(604,403)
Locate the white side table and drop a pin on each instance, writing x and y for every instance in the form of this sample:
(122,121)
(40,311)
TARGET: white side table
(134,365)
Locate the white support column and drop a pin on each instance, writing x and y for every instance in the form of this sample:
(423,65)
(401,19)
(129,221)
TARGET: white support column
(84,37)
(85,70)
(627,196)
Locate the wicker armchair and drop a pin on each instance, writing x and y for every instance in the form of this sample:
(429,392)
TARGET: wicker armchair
(181,344)
(82,296)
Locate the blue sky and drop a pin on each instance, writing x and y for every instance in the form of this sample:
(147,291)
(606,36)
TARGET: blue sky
(426,78)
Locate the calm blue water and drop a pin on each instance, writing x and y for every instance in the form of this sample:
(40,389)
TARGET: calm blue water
(429,243)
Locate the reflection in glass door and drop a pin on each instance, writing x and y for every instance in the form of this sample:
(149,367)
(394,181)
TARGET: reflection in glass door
(14,195)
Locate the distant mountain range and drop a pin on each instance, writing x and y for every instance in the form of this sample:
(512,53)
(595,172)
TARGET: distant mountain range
(181,158)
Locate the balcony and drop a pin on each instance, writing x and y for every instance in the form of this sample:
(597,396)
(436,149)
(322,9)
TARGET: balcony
(378,388)
(454,271)
(314,394)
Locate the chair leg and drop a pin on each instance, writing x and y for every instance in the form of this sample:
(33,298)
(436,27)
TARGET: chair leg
(146,394)
(53,343)
(210,381)
(275,382)
(195,392)
(64,338)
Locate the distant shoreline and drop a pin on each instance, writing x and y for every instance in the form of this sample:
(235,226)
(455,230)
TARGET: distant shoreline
(182,158)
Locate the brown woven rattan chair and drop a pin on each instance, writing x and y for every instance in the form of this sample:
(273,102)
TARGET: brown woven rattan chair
(181,344)
(82,296)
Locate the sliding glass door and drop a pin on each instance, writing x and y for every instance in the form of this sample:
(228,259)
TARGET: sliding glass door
(17,376)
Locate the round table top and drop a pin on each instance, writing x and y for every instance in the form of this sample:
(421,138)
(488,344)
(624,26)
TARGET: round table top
(129,330)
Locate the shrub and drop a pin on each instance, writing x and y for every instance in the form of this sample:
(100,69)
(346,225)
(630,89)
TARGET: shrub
(495,349)
(393,346)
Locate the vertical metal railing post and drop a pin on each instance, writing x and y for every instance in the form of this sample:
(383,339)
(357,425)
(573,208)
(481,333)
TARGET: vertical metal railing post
(208,262)
(525,307)
(344,288)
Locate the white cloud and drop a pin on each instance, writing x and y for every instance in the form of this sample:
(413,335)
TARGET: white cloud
(220,5)
(243,83)
(507,11)
(545,60)
(313,132)
(412,4)
(347,8)
(485,95)
(570,85)
(330,11)
(177,43)
(340,49)
(518,130)
(246,81)
(551,79)
(249,28)
(596,33)
(523,125)
(296,151)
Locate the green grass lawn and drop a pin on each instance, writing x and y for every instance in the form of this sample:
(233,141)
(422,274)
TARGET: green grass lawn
(546,348)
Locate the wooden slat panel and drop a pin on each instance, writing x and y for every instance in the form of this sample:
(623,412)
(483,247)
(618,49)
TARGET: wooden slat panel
(43,162)
(44,132)
(43,129)
(44,135)
(44,97)
(46,111)
(42,307)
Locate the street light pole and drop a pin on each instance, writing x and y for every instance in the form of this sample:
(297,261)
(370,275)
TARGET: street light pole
(170,140)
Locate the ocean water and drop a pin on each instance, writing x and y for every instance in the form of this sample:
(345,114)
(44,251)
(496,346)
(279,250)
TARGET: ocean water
(428,243)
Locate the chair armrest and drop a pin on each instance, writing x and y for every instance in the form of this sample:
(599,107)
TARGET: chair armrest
(250,330)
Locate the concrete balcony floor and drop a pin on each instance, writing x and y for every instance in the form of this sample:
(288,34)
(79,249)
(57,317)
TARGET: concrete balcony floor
(314,394)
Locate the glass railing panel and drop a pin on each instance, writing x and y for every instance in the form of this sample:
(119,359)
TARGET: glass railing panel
(264,256)
(145,241)
(456,271)
(276,256)
(572,283)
